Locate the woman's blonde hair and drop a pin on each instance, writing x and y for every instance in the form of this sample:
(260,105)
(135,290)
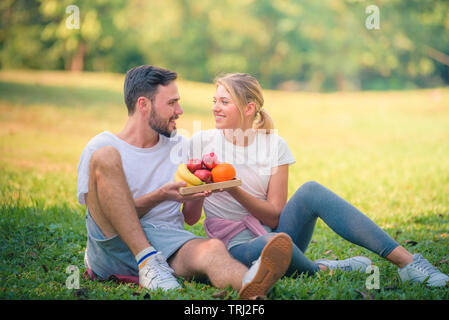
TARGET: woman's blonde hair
(244,89)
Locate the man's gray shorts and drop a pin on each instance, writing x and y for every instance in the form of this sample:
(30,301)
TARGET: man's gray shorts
(112,256)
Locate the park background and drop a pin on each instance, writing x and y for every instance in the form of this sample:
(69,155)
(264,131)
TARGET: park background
(365,112)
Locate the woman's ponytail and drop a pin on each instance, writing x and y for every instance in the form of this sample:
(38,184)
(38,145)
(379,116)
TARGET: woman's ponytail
(263,121)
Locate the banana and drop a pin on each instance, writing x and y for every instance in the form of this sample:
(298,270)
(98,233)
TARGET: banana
(185,174)
(179,179)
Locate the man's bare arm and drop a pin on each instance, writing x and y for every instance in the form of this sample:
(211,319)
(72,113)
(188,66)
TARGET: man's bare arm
(168,192)
(148,201)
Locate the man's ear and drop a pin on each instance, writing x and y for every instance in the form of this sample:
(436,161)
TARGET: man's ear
(250,109)
(143,104)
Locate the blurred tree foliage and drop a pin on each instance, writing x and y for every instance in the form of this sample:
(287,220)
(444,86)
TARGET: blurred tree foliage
(303,45)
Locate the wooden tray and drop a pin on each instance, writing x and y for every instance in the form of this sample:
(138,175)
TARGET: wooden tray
(210,186)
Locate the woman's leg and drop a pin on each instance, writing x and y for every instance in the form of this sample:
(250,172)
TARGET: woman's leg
(250,251)
(311,201)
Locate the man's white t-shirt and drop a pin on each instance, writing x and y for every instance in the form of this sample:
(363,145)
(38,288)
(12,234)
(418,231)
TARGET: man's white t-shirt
(146,169)
(253,165)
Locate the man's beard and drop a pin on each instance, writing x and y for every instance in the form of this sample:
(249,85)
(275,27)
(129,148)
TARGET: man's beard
(161,126)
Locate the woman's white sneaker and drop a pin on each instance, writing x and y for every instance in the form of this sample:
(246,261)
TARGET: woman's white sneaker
(358,263)
(271,265)
(420,270)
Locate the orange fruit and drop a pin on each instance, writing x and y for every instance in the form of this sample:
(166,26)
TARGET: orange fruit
(223,172)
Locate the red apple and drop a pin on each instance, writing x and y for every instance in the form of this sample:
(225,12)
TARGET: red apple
(210,160)
(204,174)
(194,164)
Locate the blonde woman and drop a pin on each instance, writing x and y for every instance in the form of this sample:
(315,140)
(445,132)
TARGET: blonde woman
(245,218)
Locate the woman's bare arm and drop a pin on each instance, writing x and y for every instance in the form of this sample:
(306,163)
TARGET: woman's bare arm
(267,211)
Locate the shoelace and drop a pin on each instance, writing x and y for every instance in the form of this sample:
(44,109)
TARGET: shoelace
(425,266)
(341,265)
(346,266)
(160,270)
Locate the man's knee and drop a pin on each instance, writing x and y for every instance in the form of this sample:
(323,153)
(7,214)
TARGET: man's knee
(212,248)
(214,245)
(196,257)
(105,158)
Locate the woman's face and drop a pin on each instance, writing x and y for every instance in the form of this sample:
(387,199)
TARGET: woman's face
(226,113)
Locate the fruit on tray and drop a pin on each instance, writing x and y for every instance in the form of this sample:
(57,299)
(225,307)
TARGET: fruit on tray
(223,172)
(204,174)
(210,160)
(204,171)
(177,178)
(194,164)
(184,174)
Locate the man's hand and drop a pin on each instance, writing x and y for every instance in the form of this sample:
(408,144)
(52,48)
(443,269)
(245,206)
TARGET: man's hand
(170,191)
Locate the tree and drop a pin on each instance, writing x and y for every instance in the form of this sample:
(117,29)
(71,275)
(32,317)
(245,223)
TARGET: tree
(305,45)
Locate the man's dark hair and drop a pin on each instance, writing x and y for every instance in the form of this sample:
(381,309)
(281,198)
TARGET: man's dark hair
(144,81)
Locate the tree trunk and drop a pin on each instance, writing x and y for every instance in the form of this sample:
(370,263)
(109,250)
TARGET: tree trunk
(340,82)
(437,55)
(77,63)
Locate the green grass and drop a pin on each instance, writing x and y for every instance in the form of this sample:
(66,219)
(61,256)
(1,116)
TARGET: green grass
(385,152)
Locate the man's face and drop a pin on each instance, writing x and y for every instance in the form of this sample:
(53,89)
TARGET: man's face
(165,110)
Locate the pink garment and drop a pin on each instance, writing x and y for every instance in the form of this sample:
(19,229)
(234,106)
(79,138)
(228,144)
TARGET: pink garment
(225,230)
(116,277)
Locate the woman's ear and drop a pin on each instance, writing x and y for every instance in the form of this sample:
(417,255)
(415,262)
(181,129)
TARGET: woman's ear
(250,109)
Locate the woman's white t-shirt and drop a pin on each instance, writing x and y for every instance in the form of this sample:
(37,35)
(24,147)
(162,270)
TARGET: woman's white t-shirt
(253,165)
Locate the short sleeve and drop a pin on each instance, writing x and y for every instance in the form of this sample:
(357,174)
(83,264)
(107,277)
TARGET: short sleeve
(83,175)
(100,140)
(284,155)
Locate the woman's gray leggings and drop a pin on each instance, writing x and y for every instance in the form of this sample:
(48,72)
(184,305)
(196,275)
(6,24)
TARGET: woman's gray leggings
(298,219)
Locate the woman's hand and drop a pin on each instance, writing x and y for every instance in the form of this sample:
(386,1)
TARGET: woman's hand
(193,203)
(192,209)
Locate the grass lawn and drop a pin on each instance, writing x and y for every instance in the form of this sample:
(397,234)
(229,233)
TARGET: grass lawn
(385,152)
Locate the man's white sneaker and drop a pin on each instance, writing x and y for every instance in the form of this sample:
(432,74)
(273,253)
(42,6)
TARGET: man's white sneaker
(271,265)
(421,270)
(156,273)
(358,263)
